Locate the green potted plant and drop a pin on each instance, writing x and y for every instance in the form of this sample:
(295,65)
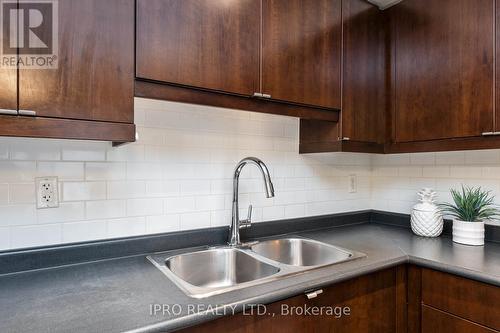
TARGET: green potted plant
(471,207)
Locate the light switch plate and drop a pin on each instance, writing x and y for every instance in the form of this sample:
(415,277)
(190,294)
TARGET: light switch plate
(47,192)
(353,184)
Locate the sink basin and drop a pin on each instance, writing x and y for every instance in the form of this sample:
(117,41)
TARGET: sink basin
(218,268)
(301,252)
(205,272)
(200,273)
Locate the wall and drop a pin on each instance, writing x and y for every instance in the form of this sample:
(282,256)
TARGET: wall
(178,176)
(397,178)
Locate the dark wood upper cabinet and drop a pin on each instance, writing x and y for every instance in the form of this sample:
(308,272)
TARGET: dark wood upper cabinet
(364,72)
(8,92)
(364,98)
(301,51)
(95,76)
(497,67)
(8,73)
(443,54)
(200,43)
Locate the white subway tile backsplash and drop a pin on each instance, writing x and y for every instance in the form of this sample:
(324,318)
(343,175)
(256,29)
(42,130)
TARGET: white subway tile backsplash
(150,136)
(195,220)
(452,170)
(482,157)
(465,171)
(491,172)
(36,149)
(163,223)
(17,171)
(127,189)
(221,218)
(295,211)
(210,202)
(410,171)
(134,153)
(5,238)
(273,213)
(68,211)
(4,149)
(396,159)
(84,151)
(20,193)
(80,191)
(62,170)
(420,183)
(83,231)
(106,209)
(105,171)
(450,158)
(126,227)
(144,207)
(167,188)
(4,194)
(178,176)
(36,235)
(195,187)
(423,159)
(144,171)
(436,171)
(17,215)
(385,171)
(180,205)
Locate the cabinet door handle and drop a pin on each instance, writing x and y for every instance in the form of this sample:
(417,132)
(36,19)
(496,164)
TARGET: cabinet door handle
(27,113)
(260,95)
(8,112)
(314,294)
(490,133)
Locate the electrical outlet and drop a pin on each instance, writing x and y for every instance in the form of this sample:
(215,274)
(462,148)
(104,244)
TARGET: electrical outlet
(353,184)
(47,192)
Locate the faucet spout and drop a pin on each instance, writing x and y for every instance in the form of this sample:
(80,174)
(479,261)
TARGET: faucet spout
(236,224)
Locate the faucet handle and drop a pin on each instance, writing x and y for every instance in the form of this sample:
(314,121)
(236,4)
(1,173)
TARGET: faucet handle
(248,222)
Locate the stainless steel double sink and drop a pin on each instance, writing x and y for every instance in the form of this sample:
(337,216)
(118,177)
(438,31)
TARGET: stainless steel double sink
(210,271)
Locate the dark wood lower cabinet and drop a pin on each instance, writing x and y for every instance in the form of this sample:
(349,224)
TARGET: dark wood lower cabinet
(434,320)
(441,302)
(406,298)
(364,304)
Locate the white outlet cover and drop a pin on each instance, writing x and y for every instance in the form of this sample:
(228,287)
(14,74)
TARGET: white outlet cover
(47,192)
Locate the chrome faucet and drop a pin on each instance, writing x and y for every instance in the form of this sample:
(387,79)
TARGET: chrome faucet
(236,223)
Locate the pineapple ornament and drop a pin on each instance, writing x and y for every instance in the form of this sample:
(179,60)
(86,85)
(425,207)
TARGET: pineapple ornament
(426,217)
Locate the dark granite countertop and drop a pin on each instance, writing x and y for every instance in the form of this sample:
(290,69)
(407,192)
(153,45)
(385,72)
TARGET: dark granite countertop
(116,295)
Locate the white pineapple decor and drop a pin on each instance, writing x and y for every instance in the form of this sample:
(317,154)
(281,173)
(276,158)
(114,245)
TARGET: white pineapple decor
(426,217)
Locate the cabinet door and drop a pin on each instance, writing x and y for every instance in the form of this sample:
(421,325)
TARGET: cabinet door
(497,54)
(212,44)
(95,75)
(364,72)
(301,51)
(8,92)
(8,67)
(443,54)
(439,321)
(363,304)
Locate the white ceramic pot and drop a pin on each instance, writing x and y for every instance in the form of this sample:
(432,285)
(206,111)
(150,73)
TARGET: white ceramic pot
(468,233)
(426,218)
